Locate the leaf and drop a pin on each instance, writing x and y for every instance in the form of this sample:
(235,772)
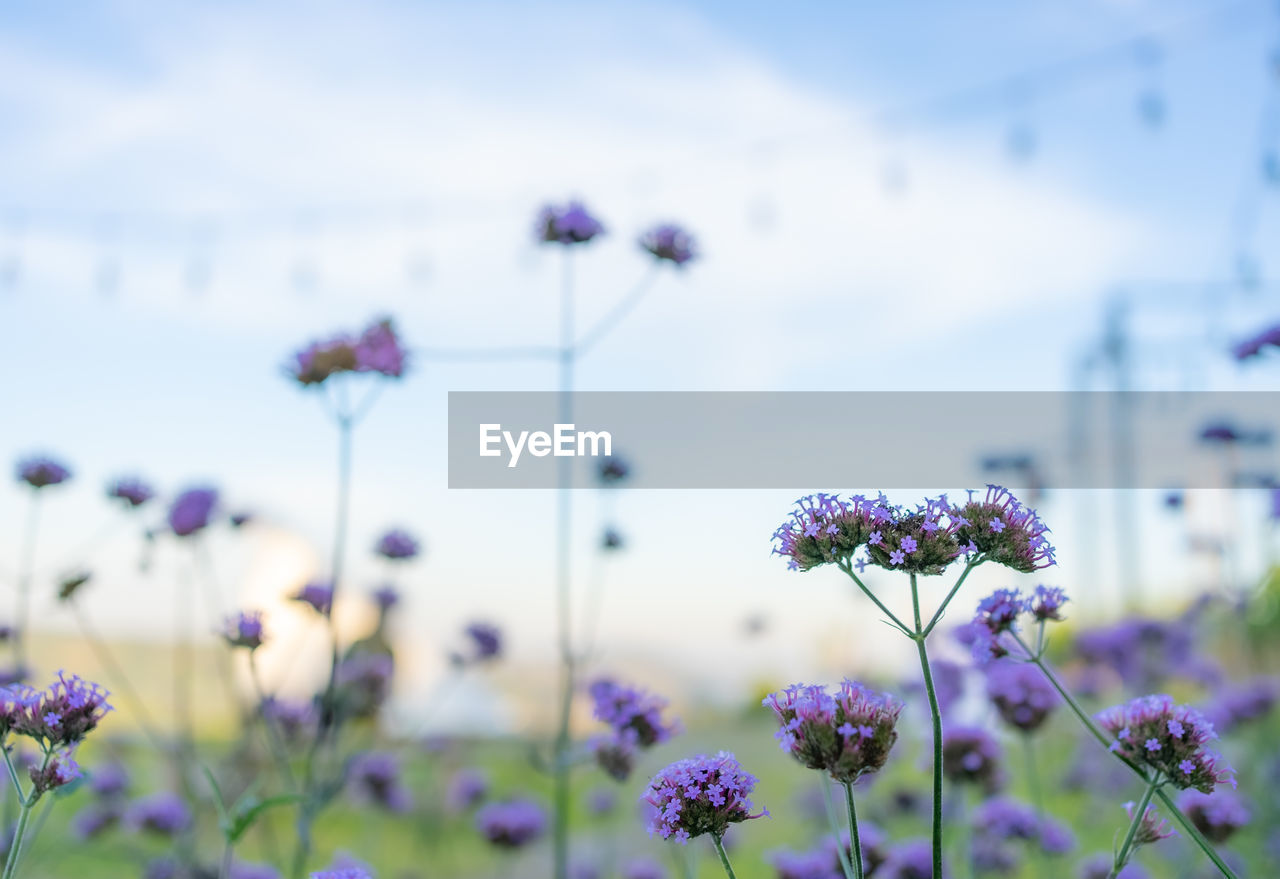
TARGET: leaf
(224,819)
(251,810)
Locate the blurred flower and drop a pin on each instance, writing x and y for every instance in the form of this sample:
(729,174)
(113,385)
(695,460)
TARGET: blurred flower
(94,820)
(1004,818)
(1218,815)
(670,242)
(511,824)
(642,868)
(379,350)
(1021,694)
(602,801)
(132,491)
(484,644)
(970,755)
(845,735)
(815,864)
(386,597)
(615,754)
(1254,345)
(1099,867)
(163,814)
(1237,704)
(376,350)
(363,683)
(244,630)
(467,789)
(1143,652)
(70,584)
(192,510)
(321,359)
(1001,529)
(41,472)
(318,594)
(633,710)
(109,780)
(343,873)
(375,778)
(948,683)
(240,519)
(912,859)
(613,470)
(292,719)
(397,545)
(1169,738)
(700,795)
(1151,829)
(567,224)
(244,870)
(612,539)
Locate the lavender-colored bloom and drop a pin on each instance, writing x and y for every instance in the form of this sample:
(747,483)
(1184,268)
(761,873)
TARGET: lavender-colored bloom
(1152,828)
(1046,602)
(1002,530)
(292,719)
(61,715)
(94,820)
(1055,837)
(511,824)
(1237,704)
(162,814)
(602,801)
(376,350)
(997,614)
(912,859)
(386,597)
(244,630)
(375,778)
(1218,815)
(823,529)
(642,868)
(397,545)
(192,510)
(567,224)
(632,712)
(1099,867)
(109,780)
(815,864)
(670,242)
(970,755)
(245,870)
(613,470)
(1004,818)
(1254,345)
(484,644)
(379,350)
(1179,734)
(916,541)
(1143,652)
(41,472)
(318,594)
(57,770)
(467,789)
(363,683)
(1021,694)
(131,491)
(700,795)
(846,735)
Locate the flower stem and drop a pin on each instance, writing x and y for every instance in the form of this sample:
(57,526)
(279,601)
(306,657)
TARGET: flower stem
(15,847)
(848,569)
(936,717)
(1195,834)
(724,857)
(942,608)
(846,867)
(1126,848)
(854,842)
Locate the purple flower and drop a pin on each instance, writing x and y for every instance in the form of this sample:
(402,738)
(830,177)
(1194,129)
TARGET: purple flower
(511,824)
(1099,867)
(363,683)
(823,529)
(970,755)
(1253,346)
(996,615)
(318,594)
(1046,603)
(1152,828)
(642,868)
(132,491)
(343,873)
(613,470)
(1218,815)
(397,545)
(632,711)
(1021,694)
(700,795)
(379,350)
(484,644)
(192,510)
(41,472)
(61,715)
(244,870)
(1237,704)
(386,597)
(467,789)
(815,864)
(58,769)
(1183,759)
(292,719)
(567,224)
(912,859)
(615,753)
(845,735)
(671,243)
(1002,530)
(375,778)
(94,820)
(109,780)
(376,350)
(162,814)
(244,630)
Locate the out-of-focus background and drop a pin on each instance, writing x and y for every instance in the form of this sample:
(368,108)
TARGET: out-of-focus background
(915,196)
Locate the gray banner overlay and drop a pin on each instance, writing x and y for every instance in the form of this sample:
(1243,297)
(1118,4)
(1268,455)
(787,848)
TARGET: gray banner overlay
(902,440)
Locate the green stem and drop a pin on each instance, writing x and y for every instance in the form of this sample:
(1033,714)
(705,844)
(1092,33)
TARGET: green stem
(1126,848)
(274,742)
(843,856)
(13,771)
(854,842)
(936,716)
(724,857)
(1195,834)
(15,848)
(1033,775)
(848,569)
(942,608)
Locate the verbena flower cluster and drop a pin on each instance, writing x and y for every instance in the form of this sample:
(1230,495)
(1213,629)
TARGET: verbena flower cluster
(971,755)
(192,510)
(700,795)
(511,824)
(376,350)
(671,243)
(569,223)
(1169,738)
(42,472)
(634,717)
(1217,815)
(397,545)
(845,735)
(1021,694)
(998,614)
(244,630)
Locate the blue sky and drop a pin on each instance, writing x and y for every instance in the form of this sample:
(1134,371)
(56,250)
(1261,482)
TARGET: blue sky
(394,154)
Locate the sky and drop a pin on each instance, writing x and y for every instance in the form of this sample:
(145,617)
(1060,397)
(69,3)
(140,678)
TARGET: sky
(915,196)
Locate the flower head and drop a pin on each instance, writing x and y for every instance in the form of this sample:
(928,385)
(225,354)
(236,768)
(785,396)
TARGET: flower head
(846,734)
(58,770)
(375,778)
(632,711)
(192,510)
(1021,694)
(1254,345)
(132,492)
(911,859)
(700,795)
(41,472)
(1152,828)
(484,644)
(916,541)
(670,242)
(377,349)
(467,789)
(162,814)
(1001,529)
(511,824)
(567,224)
(1218,815)
(363,683)
(970,755)
(244,630)
(318,594)
(94,820)
(823,529)
(1046,603)
(386,597)
(61,715)
(397,545)
(1169,738)
(997,614)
